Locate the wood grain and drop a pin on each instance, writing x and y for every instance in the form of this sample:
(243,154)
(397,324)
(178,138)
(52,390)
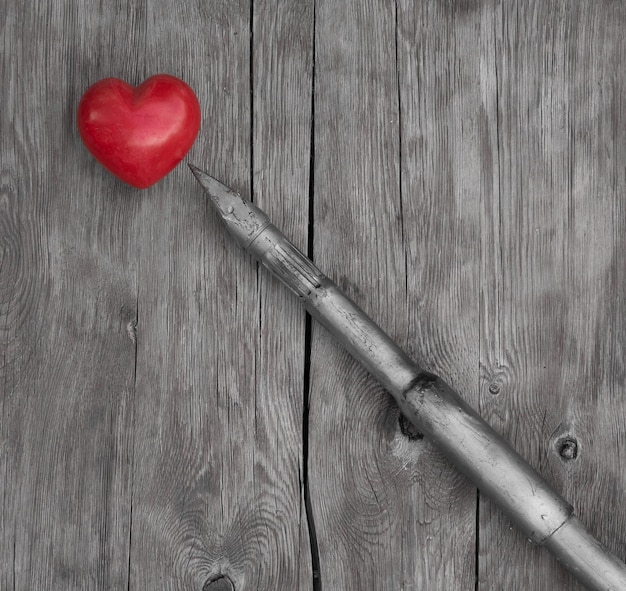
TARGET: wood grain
(218,470)
(67,312)
(553,305)
(373,520)
(282,60)
(194,478)
(198,473)
(464,166)
(443,52)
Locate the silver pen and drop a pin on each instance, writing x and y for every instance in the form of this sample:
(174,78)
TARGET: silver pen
(425,399)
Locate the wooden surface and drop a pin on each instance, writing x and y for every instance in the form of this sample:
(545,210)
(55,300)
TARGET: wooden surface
(169,417)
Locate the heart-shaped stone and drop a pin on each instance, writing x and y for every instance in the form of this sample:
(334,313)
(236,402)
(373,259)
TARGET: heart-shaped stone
(139,133)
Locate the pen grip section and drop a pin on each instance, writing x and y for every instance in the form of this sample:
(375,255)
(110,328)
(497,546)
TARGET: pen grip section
(285,261)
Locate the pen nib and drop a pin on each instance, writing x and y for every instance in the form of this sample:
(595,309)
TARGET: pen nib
(242,218)
(221,196)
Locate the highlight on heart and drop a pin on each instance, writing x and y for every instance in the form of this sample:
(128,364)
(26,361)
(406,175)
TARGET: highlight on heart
(139,134)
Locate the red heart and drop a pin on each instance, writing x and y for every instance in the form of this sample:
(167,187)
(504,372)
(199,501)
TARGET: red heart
(139,134)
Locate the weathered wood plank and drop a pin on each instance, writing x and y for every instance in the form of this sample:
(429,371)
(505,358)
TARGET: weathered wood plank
(194,482)
(468,193)
(443,52)
(553,272)
(376,511)
(282,60)
(194,479)
(217,487)
(67,310)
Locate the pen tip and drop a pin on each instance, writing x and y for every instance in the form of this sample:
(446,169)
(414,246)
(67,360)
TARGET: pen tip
(219,194)
(195,170)
(242,218)
(211,185)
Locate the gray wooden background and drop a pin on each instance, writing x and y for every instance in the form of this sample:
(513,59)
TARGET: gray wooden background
(171,420)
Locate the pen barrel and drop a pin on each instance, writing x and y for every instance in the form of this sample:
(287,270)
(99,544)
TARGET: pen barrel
(445,418)
(433,406)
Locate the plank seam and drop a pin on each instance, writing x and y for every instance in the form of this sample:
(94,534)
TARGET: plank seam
(132,458)
(400,164)
(313,542)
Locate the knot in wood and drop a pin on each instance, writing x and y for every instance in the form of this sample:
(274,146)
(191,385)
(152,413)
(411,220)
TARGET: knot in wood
(567,448)
(219,583)
(494,388)
(409,430)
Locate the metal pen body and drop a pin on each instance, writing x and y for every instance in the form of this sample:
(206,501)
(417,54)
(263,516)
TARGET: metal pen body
(432,405)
